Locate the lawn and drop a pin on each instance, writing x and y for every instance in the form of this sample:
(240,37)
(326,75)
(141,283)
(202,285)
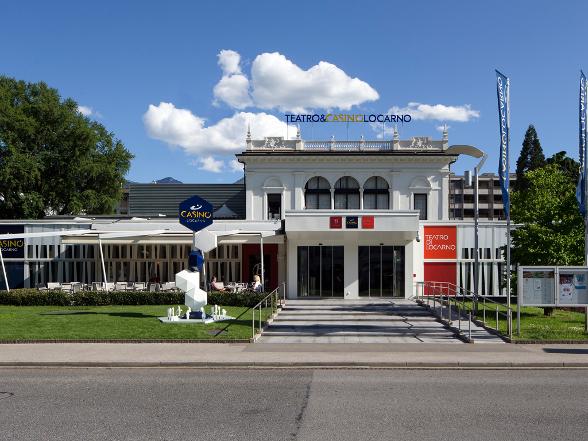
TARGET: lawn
(562,325)
(116,322)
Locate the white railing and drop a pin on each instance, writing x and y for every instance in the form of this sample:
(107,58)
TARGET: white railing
(274,301)
(347,145)
(451,299)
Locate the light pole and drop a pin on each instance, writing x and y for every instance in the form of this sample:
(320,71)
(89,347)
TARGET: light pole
(476,230)
(476,153)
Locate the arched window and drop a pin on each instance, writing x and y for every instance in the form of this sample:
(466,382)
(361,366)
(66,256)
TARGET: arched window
(375,194)
(317,193)
(347,193)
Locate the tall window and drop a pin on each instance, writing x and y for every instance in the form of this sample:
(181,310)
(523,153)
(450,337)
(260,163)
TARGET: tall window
(347,193)
(317,194)
(375,194)
(420,203)
(274,206)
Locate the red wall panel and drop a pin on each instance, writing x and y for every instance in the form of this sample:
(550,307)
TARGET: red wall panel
(440,272)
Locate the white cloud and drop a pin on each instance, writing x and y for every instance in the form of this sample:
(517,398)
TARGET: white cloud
(439,112)
(278,83)
(442,128)
(229,61)
(182,128)
(88,111)
(233,87)
(233,90)
(209,163)
(235,166)
(85,110)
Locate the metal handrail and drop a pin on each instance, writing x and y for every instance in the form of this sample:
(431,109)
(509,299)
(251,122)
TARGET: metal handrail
(275,303)
(447,292)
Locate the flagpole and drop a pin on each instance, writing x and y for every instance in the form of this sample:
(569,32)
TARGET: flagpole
(509,315)
(583,136)
(583,158)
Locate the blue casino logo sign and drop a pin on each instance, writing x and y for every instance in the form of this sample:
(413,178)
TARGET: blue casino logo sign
(195,213)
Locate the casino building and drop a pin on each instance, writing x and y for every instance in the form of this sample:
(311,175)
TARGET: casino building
(334,219)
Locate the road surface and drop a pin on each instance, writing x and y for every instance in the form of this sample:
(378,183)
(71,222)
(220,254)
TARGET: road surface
(287,404)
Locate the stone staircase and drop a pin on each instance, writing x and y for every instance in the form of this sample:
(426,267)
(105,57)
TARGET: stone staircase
(372,320)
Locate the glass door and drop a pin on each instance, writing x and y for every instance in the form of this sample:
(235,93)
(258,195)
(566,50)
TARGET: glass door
(381,271)
(320,271)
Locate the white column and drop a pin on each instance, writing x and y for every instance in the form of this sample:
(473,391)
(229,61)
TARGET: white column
(102,260)
(4,271)
(292,262)
(332,198)
(351,276)
(409,281)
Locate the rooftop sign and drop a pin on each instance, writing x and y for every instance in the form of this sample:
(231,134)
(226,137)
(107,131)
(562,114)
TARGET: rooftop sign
(347,118)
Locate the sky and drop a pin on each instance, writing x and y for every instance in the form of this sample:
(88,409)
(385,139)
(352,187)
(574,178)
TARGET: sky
(179,81)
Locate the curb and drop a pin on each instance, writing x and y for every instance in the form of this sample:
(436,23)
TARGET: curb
(300,365)
(123,341)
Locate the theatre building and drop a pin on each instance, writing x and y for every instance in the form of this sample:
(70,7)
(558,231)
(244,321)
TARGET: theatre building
(344,219)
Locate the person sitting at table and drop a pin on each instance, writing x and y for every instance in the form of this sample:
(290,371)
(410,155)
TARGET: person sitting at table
(217,286)
(257,286)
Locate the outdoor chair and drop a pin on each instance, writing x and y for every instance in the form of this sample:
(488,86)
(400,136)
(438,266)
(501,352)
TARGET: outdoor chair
(168,286)
(52,285)
(139,286)
(119,286)
(66,287)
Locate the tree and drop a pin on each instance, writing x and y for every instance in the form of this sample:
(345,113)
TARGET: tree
(567,165)
(53,160)
(550,229)
(531,157)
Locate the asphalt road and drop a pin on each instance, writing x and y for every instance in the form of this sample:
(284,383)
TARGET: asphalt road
(374,404)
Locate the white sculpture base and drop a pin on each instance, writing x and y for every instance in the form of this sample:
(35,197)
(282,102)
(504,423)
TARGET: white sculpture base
(181,321)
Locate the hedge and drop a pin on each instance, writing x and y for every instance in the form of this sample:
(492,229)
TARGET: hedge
(246,298)
(34,297)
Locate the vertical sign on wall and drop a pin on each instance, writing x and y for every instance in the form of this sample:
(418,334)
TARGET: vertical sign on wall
(440,243)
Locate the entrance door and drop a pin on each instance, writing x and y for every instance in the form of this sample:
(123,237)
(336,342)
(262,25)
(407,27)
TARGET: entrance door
(320,271)
(381,271)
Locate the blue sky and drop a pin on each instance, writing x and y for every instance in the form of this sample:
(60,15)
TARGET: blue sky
(118,58)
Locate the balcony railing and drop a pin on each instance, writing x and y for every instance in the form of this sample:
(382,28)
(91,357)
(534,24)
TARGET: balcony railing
(281,144)
(348,146)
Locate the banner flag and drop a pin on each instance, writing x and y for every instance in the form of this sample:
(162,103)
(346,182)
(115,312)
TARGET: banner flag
(503,92)
(581,187)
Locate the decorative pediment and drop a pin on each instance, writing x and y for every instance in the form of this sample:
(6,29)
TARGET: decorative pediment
(420,183)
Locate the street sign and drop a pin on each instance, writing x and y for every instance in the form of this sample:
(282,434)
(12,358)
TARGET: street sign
(195,213)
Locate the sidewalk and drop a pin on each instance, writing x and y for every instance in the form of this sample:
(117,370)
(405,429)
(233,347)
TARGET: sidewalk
(419,355)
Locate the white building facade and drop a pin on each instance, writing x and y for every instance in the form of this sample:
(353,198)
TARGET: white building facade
(338,218)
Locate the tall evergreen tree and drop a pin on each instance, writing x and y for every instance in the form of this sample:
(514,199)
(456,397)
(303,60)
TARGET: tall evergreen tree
(531,157)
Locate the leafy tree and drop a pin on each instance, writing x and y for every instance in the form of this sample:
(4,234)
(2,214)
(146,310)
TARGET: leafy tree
(531,157)
(569,166)
(550,229)
(53,160)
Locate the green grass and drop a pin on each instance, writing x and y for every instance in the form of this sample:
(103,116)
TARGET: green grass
(562,325)
(116,322)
